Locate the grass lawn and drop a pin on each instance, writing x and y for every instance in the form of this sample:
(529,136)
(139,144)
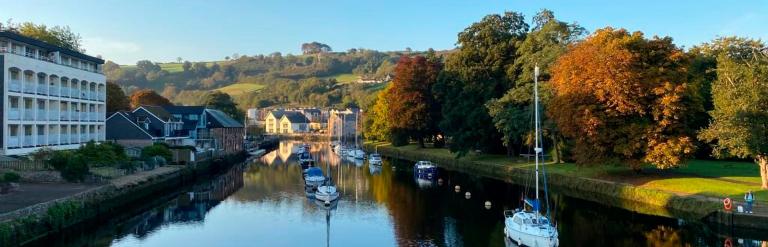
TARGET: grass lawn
(241,88)
(344,78)
(702,177)
(170,67)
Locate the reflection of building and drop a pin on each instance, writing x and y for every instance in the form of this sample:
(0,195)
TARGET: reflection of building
(52,96)
(343,120)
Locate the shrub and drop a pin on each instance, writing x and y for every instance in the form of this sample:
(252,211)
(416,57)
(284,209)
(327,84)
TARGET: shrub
(72,166)
(11,177)
(157,149)
(105,154)
(398,138)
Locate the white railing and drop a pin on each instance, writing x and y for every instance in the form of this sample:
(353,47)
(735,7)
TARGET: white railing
(28,114)
(47,59)
(65,92)
(64,116)
(14,114)
(94,96)
(15,86)
(102,97)
(41,140)
(41,115)
(53,139)
(29,88)
(83,138)
(73,138)
(42,89)
(64,138)
(74,93)
(53,91)
(73,116)
(28,141)
(53,115)
(84,116)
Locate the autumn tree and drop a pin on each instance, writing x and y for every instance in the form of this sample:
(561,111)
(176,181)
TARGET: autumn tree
(542,46)
(148,97)
(481,69)
(739,125)
(223,102)
(413,110)
(61,36)
(377,124)
(620,97)
(116,99)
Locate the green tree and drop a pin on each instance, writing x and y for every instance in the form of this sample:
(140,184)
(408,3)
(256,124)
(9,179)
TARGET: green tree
(739,125)
(512,113)
(377,122)
(413,109)
(223,102)
(481,69)
(116,99)
(61,36)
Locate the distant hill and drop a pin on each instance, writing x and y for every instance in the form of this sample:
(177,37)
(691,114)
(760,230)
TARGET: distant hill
(321,79)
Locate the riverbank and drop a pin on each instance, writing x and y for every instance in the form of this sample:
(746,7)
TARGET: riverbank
(645,193)
(98,203)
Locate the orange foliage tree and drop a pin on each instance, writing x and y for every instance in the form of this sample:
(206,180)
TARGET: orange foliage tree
(413,110)
(621,98)
(148,97)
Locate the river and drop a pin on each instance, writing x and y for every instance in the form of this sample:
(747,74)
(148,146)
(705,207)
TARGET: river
(263,203)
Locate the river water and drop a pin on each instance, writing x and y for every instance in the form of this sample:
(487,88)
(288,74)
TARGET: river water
(263,203)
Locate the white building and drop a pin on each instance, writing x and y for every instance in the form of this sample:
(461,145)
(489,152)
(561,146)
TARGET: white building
(52,96)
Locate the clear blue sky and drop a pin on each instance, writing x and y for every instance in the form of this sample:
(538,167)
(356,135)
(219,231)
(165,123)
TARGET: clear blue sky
(127,31)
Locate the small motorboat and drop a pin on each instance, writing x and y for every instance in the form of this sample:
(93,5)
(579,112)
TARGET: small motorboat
(313,176)
(374,159)
(425,169)
(326,194)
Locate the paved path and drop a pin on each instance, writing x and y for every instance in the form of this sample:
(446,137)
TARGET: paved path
(31,194)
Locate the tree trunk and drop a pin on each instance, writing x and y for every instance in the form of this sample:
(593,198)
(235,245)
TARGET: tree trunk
(762,161)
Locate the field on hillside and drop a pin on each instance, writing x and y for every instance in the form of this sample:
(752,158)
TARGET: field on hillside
(344,78)
(169,67)
(241,88)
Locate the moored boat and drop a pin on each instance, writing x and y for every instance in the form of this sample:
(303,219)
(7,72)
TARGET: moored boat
(374,159)
(425,169)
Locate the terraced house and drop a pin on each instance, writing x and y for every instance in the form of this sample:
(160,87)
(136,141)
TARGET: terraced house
(52,96)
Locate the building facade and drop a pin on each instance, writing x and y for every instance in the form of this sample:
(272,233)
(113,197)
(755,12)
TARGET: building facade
(342,124)
(52,97)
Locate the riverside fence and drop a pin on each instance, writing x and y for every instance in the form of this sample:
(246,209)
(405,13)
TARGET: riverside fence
(24,165)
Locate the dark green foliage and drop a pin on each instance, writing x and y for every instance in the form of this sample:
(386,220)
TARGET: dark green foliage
(156,149)
(223,102)
(72,166)
(63,214)
(398,138)
(105,154)
(11,177)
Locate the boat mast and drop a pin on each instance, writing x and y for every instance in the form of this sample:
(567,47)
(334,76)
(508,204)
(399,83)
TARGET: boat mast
(537,149)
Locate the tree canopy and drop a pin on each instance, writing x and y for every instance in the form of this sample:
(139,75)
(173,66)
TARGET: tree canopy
(223,102)
(61,36)
(620,97)
(148,97)
(315,48)
(739,125)
(116,99)
(413,110)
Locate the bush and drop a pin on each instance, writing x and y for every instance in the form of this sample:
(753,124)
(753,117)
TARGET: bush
(105,154)
(157,149)
(72,166)
(11,177)
(398,138)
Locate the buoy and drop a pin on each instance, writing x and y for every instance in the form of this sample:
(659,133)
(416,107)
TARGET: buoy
(440,181)
(467,195)
(727,204)
(457,188)
(487,204)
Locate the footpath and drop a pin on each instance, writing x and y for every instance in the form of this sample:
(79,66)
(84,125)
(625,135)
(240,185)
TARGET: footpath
(637,196)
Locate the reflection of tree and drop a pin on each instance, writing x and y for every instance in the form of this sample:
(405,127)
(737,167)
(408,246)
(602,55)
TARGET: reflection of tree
(664,236)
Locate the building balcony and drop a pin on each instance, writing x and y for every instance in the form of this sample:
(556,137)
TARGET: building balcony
(42,115)
(83,94)
(14,114)
(73,138)
(53,139)
(64,116)
(74,93)
(53,91)
(41,140)
(64,139)
(49,59)
(102,97)
(29,88)
(84,116)
(73,116)
(28,141)
(42,89)
(83,137)
(13,142)
(14,86)
(28,114)
(65,92)
(53,115)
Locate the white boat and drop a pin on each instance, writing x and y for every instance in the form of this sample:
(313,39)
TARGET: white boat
(356,153)
(340,150)
(527,226)
(374,159)
(326,194)
(425,170)
(305,158)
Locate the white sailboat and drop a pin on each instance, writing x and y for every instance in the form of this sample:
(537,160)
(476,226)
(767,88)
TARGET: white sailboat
(526,225)
(327,192)
(357,152)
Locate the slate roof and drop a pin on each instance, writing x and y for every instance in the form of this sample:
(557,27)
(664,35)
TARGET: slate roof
(49,47)
(185,111)
(296,117)
(219,119)
(158,111)
(278,113)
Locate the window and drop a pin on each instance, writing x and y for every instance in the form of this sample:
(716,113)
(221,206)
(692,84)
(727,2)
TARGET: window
(192,117)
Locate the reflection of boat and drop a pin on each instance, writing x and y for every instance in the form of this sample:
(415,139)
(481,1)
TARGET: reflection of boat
(356,153)
(340,150)
(374,159)
(374,169)
(305,158)
(303,148)
(313,176)
(526,225)
(424,183)
(425,169)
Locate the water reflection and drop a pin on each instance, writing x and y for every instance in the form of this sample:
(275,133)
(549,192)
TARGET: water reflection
(264,204)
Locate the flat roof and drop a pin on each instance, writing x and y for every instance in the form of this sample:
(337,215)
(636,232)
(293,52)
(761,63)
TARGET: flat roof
(50,47)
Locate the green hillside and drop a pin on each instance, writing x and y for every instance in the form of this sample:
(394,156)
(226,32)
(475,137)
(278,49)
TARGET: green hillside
(241,88)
